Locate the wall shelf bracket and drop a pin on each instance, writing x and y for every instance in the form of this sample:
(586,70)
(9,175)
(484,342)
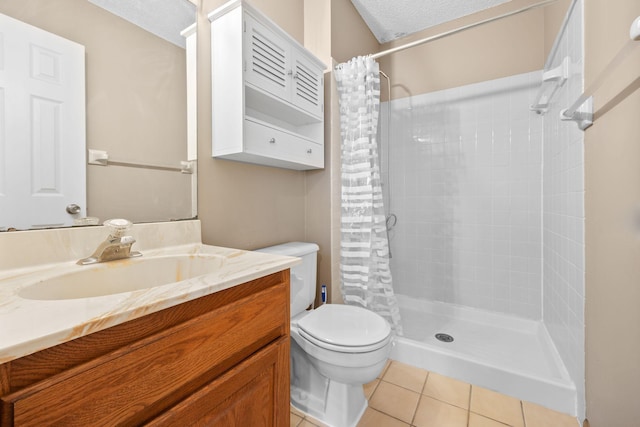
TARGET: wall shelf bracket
(583,116)
(552,80)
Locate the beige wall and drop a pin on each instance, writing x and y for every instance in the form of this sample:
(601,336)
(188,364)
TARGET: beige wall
(249,206)
(317,29)
(554,15)
(350,36)
(317,38)
(135,107)
(241,205)
(506,47)
(612,202)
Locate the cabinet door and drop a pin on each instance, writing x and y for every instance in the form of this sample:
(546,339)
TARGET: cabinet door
(267,59)
(308,85)
(254,393)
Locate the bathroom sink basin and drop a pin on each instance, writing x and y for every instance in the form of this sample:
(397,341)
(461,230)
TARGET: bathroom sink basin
(120,276)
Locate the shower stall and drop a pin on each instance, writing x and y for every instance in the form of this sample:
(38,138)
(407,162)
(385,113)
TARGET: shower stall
(484,203)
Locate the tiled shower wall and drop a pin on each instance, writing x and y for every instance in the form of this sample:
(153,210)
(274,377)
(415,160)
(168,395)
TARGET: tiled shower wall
(563,217)
(464,170)
(475,198)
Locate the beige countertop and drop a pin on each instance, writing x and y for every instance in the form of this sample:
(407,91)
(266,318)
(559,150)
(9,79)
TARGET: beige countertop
(28,325)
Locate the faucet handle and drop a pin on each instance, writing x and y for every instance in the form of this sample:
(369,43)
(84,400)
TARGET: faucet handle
(117,226)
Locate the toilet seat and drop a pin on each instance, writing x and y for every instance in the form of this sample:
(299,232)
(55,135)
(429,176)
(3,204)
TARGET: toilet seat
(344,328)
(344,348)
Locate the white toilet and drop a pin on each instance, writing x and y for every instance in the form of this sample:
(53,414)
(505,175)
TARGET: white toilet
(335,349)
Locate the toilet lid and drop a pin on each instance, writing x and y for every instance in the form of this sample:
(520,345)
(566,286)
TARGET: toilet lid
(345,326)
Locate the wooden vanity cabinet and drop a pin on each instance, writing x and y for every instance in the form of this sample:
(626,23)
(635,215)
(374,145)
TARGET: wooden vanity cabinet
(222,359)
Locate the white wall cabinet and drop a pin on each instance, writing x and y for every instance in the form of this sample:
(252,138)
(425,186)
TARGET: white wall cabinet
(267,92)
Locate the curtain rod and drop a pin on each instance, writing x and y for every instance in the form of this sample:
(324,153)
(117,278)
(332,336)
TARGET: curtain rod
(458,30)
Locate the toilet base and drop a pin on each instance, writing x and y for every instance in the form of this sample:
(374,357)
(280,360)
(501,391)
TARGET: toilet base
(334,403)
(343,404)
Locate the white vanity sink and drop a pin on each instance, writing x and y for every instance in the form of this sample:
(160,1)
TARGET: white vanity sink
(120,276)
(46,298)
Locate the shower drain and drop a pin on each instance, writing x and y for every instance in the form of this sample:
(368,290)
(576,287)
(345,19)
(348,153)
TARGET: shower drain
(444,337)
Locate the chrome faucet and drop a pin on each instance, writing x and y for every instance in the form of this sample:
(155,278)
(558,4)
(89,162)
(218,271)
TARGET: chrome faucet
(116,246)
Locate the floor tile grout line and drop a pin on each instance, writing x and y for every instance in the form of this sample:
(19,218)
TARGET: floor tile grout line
(425,383)
(490,418)
(487,416)
(420,397)
(389,415)
(386,414)
(467,408)
(469,405)
(401,386)
(415,411)
(379,380)
(299,422)
(386,367)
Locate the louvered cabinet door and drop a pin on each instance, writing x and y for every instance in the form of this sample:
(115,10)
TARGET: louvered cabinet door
(267,59)
(307,90)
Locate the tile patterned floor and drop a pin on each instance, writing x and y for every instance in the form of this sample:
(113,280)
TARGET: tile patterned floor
(404,396)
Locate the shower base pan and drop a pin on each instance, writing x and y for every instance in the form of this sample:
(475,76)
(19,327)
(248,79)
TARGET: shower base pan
(508,354)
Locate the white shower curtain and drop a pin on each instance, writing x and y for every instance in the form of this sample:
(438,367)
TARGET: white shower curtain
(364,248)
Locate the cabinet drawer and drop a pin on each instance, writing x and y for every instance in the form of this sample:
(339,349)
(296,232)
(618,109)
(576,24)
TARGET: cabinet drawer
(135,383)
(266,141)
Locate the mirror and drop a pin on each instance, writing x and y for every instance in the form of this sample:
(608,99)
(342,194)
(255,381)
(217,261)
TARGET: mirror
(136,105)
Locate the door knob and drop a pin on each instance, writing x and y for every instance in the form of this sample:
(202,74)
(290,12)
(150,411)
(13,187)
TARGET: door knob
(73,209)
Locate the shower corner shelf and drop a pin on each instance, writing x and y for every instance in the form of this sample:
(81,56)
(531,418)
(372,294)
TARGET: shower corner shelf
(552,80)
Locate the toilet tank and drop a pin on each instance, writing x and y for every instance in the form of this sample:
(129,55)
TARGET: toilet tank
(303,276)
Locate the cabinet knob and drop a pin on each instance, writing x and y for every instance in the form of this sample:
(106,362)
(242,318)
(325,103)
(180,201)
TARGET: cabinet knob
(272,141)
(309,151)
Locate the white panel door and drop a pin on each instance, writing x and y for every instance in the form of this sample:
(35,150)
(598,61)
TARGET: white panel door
(42,127)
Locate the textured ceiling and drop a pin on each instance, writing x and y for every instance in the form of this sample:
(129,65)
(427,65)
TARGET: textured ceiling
(164,18)
(392,19)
